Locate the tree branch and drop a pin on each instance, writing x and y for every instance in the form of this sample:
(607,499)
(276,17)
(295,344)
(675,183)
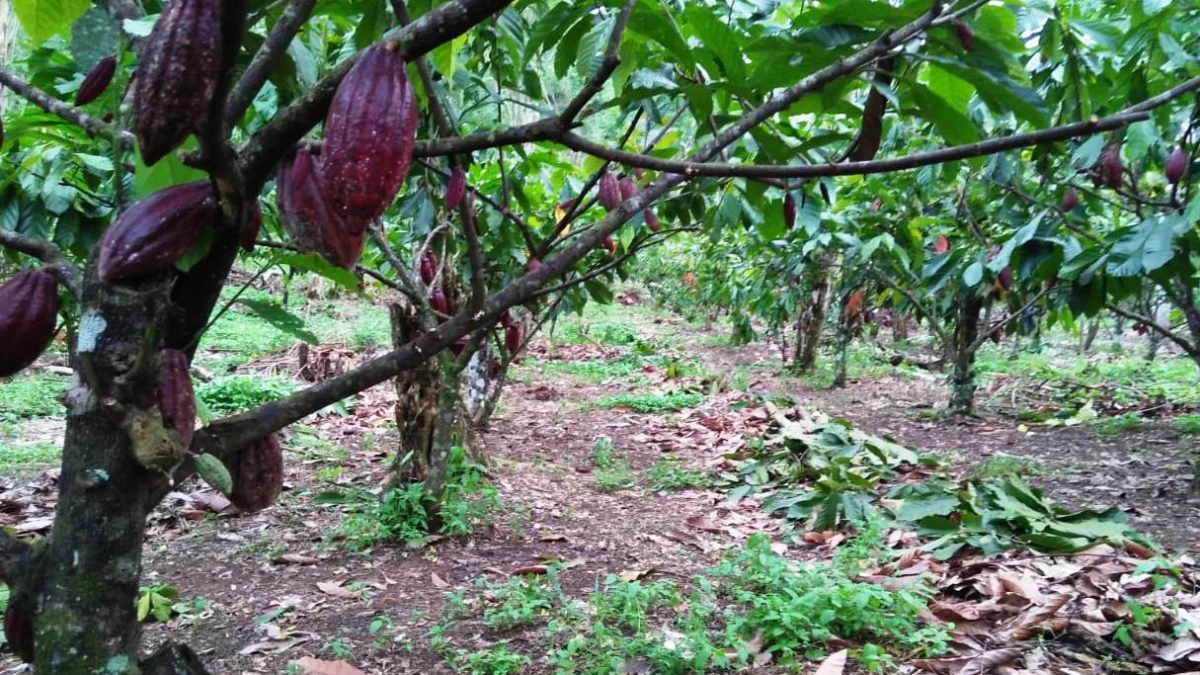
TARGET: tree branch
(1187,347)
(934,324)
(653,238)
(434,28)
(67,272)
(988,331)
(70,113)
(259,70)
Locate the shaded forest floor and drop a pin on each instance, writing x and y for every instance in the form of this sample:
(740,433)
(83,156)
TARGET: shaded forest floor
(607,525)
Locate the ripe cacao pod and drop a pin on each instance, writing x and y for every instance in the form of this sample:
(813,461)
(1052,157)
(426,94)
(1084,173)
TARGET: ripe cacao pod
(18,631)
(257,472)
(1109,168)
(966,36)
(249,234)
(369,134)
(609,192)
(628,188)
(309,219)
(28,317)
(177,76)
(651,220)
(789,211)
(506,319)
(96,81)
(942,245)
(1070,199)
(457,347)
(176,399)
(533,265)
(610,245)
(437,300)
(456,189)
(428,267)
(1005,277)
(512,338)
(156,231)
(1176,164)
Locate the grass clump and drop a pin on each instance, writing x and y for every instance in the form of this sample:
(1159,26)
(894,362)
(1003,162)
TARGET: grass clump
(652,403)
(235,393)
(611,470)
(28,396)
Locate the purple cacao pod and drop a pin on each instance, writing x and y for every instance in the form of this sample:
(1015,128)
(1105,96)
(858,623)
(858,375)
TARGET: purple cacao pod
(257,472)
(156,231)
(18,631)
(789,211)
(609,192)
(437,301)
(429,265)
(1176,165)
(176,398)
(628,188)
(966,36)
(310,220)
(1109,168)
(1070,199)
(651,220)
(96,81)
(456,189)
(512,338)
(177,76)
(369,134)
(28,317)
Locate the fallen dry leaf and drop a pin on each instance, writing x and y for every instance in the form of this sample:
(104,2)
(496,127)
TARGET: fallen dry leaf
(834,664)
(437,581)
(295,559)
(634,575)
(310,666)
(335,590)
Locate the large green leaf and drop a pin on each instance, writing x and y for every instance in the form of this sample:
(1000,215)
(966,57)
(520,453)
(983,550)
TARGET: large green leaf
(43,19)
(1145,248)
(168,171)
(703,24)
(93,37)
(999,90)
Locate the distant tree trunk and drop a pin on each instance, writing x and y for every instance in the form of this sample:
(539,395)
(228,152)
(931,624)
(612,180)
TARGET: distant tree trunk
(1015,352)
(812,320)
(844,335)
(900,327)
(1089,335)
(962,377)
(1153,344)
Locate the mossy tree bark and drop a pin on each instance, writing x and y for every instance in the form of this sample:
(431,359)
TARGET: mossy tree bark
(812,317)
(966,344)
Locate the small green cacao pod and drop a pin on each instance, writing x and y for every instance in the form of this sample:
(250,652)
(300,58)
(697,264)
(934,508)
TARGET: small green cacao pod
(96,81)
(370,130)
(177,76)
(176,398)
(28,317)
(213,471)
(257,472)
(18,631)
(154,233)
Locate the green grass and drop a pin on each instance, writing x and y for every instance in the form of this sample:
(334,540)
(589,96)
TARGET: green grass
(235,393)
(796,612)
(28,455)
(1111,427)
(1188,424)
(610,469)
(1004,466)
(35,395)
(669,475)
(651,403)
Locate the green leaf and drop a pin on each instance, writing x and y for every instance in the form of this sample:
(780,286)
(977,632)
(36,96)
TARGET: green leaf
(923,506)
(712,32)
(973,274)
(1145,248)
(213,471)
(1000,91)
(93,37)
(370,25)
(568,48)
(43,19)
(169,170)
(951,122)
(280,318)
(311,262)
(599,291)
(655,20)
(591,48)
(143,606)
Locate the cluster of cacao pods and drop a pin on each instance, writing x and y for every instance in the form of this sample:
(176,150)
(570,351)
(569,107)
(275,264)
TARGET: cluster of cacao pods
(257,473)
(1139,328)
(154,233)
(28,318)
(96,80)
(177,76)
(328,201)
(310,220)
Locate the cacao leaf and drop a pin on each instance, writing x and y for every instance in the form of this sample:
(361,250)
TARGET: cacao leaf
(213,471)
(43,19)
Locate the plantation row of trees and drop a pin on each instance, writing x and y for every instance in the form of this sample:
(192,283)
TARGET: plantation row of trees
(507,161)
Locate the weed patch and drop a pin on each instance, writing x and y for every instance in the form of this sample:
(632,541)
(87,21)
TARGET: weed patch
(651,403)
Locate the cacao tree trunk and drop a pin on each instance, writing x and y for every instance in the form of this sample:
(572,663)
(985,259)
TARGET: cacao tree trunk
(1153,344)
(900,327)
(962,377)
(843,343)
(1089,336)
(85,577)
(813,319)
(416,400)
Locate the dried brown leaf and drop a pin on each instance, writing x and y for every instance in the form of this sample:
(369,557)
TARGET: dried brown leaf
(310,666)
(336,590)
(834,664)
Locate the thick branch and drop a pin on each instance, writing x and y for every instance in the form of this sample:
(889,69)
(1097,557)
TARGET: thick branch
(48,253)
(264,61)
(434,28)
(70,113)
